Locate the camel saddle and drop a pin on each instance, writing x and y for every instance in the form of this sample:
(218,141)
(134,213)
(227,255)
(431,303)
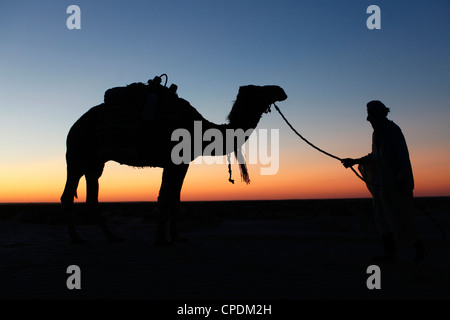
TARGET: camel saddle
(127,112)
(135,94)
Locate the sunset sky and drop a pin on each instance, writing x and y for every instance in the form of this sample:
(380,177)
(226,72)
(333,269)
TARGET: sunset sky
(320,52)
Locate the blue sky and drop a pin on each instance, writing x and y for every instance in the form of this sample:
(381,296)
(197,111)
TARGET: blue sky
(320,52)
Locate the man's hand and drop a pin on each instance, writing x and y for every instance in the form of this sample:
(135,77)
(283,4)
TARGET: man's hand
(348,162)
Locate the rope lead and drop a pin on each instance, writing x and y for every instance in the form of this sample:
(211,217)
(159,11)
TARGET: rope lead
(317,148)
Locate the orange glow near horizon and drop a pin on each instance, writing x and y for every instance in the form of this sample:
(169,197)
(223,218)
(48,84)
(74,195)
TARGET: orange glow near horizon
(315,178)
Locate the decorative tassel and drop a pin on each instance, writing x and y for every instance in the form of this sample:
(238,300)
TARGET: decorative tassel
(229,171)
(242,166)
(244,173)
(229,168)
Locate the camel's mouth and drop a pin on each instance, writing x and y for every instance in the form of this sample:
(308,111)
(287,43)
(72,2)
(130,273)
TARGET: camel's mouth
(267,110)
(275,94)
(283,97)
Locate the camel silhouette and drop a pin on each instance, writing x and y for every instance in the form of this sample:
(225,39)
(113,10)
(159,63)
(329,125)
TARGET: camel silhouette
(118,132)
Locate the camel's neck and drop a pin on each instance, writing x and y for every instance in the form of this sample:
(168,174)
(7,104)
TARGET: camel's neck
(217,140)
(230,136)
(245,114)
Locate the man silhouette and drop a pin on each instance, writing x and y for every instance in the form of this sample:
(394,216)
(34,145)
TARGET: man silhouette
(390,180)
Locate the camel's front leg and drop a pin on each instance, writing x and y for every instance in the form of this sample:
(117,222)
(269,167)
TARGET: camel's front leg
(92,202)
(168,204)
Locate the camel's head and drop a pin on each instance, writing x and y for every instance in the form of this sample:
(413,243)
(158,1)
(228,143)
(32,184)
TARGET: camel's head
(263,94)
(274,93)
(252,101)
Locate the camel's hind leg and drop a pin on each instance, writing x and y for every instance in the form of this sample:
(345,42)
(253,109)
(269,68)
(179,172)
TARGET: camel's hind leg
(176,191)
(168,204)
(67,199)
(92,177)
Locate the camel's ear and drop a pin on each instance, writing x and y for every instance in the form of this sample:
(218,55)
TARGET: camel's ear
(242,89)
(247,90)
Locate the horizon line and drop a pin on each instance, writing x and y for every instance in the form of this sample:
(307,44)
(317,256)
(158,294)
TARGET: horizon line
(238,200)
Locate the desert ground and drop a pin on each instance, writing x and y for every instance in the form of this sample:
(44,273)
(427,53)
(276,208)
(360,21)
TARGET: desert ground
(237,250)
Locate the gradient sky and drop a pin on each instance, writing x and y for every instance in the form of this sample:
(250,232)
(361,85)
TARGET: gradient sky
(321,52)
